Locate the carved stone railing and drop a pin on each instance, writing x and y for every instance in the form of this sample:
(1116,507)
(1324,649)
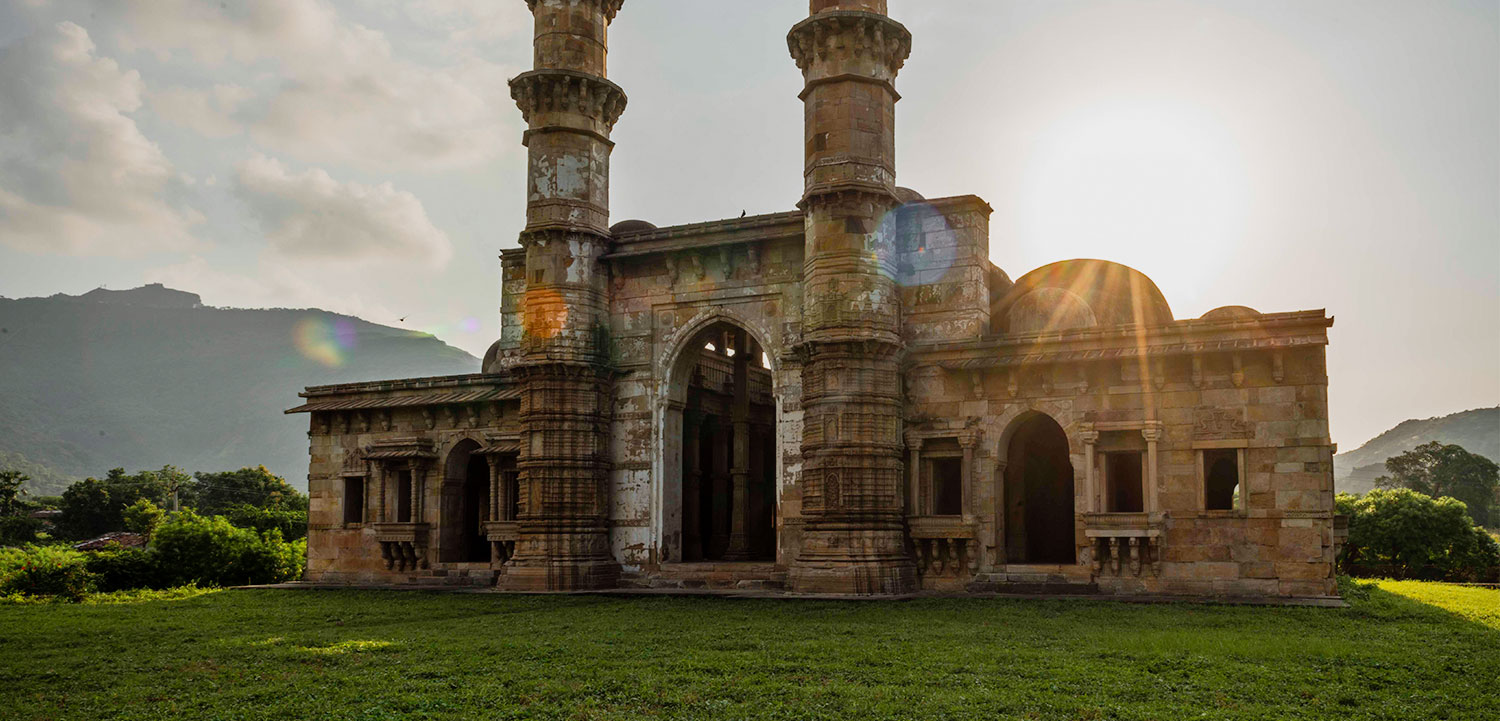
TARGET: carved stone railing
(403,546)
(502,536)
(1125,542)
(946,545)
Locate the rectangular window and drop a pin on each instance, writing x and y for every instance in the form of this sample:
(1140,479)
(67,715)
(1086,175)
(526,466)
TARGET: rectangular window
(354,501)
(947,486)
(1122,475)
(403,497)
(1221,479)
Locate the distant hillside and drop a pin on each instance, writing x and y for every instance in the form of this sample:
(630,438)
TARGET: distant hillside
(1478,431)
(146,377)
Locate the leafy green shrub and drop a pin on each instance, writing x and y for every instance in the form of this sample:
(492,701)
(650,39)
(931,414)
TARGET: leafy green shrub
(124,569)
(18,530)
(214,552)
(1404,534)
(45,571)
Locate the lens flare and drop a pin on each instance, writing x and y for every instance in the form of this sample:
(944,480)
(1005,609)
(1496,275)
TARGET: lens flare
(324,340)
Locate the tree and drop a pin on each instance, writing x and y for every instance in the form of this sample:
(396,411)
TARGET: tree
(143,517)
(87,510)
(217,493)
(1437,470)
(1406,534)
(12,489)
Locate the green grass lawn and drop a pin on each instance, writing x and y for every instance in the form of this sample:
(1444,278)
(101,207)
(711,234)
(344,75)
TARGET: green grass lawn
(1402,651)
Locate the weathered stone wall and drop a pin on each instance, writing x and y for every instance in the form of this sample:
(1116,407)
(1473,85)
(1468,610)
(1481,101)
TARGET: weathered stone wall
(942,267)
(340,553)
(1272,404)
(660,302)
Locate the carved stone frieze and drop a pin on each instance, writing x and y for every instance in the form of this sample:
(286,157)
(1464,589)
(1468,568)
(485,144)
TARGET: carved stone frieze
(1220,424)
(860,33)
(554,91)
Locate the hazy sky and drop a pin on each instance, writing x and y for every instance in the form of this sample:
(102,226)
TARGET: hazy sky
(364,155)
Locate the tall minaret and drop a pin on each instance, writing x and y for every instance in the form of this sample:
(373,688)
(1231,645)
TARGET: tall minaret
(564,370)
(853,541)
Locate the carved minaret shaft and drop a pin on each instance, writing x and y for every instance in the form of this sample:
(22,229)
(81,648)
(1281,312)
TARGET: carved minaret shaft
(849,52)
(570,109)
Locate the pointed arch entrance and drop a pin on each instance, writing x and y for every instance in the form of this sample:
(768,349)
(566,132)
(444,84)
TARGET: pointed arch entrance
(719,449)
(1039,499)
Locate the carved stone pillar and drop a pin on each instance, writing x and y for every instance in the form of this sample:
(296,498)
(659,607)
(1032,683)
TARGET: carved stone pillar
(914,475)
(1090,438)
(739,540)
(381,473)
(968,441)
(720,500)
(1152,434)
(493,463)
(692,480)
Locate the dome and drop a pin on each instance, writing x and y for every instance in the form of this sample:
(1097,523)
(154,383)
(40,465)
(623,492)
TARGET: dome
(907,195)
(1232,312)
(1078,294)
(626,227)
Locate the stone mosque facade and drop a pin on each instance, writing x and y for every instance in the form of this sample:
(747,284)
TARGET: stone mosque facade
(844,398)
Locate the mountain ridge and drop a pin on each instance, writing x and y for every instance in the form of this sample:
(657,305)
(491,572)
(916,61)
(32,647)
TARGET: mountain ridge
(150,376)
(1477,430)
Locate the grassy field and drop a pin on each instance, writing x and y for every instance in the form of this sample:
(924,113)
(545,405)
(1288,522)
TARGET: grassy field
(1402,651)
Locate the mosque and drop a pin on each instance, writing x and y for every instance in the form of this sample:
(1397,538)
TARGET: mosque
(844,398)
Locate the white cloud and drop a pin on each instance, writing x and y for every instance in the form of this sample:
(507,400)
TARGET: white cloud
(76,174)
(210,112)
(344,96)
(312,217)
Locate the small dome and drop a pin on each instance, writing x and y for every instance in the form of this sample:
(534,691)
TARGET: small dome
(907,195)
(1113,295)
(626,227)
(1232,312)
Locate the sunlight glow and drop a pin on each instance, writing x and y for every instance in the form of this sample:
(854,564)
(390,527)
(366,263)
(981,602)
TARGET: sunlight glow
(1158,187)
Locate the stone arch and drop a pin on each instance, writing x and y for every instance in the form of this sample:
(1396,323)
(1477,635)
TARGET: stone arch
(1039,482)
(674,365)
(464,504)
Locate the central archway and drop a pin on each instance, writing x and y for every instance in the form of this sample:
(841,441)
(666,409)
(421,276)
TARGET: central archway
(718,449)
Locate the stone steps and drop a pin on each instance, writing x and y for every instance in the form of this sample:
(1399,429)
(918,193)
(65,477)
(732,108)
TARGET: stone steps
(1031,584)
(708,575)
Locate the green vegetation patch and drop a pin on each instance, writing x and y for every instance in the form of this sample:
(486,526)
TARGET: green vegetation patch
(1403,650)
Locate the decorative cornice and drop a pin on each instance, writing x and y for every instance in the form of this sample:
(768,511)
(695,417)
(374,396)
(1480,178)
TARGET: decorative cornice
(862,33)
(609,7)
(545,91)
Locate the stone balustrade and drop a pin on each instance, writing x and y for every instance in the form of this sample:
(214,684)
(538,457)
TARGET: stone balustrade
(1125,542)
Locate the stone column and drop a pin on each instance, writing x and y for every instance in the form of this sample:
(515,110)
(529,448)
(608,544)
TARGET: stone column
(381,473)
(739,540)
(493,462)
(854,540)
(565,369)
(1152,434)
(914,476)
(692,478)
(968,441)
(721,506)
(1090,438)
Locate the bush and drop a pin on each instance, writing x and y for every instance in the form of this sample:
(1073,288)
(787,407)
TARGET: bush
(45,571)
(214,552)
(292,523)
(1404,534)
(124,569)
(18,530)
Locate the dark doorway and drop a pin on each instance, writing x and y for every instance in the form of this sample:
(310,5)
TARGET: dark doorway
(1039,499)
(728,449)
(466,506)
